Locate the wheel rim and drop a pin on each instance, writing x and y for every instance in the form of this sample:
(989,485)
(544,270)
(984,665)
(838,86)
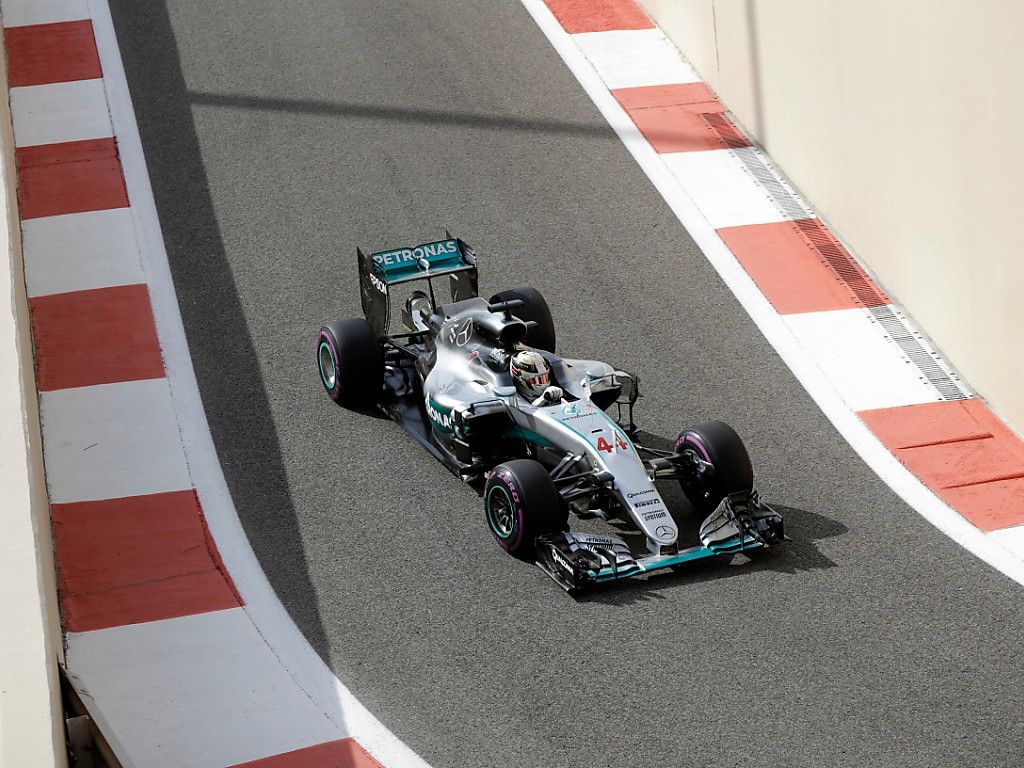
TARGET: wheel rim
(328,368)
(500,512)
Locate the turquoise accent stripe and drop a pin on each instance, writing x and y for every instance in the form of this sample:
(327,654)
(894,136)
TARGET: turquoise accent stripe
(400,263)
(320,364)
(530,436)
(659,562)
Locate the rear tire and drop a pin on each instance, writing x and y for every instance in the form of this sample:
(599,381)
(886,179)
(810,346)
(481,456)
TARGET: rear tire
(718,444)
(522,503)
(535,308)
(351,362)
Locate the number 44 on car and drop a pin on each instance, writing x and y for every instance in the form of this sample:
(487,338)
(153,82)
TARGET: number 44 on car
(477,383)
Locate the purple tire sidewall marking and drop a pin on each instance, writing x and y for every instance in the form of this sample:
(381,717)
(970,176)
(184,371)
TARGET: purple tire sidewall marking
(688,437)
(337,367)
(506,480)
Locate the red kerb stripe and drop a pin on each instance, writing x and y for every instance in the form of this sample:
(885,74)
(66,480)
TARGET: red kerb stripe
(685,117)
(51,53)
(963,453)
(668,96)
(792,274)
(98,336)
(71,177)
(136,559)
(599,15)
(344,753)
(66,152)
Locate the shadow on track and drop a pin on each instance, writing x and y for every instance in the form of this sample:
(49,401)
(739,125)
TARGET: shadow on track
(793,557)
(402,115)
(219,340)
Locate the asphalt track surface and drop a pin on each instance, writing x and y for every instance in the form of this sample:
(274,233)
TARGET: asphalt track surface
(281,135)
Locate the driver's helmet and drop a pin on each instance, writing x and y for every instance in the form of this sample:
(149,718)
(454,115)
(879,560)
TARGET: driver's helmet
(531,373)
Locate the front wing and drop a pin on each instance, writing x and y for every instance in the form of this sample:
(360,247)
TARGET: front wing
(578,560)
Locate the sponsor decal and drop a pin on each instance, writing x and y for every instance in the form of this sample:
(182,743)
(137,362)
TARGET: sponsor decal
(634,494)
(646,503)
(378,283)
(561,560)
(402,256)
(460,334)
(442,417)
(572,411)
(473,355)
(652,515)
(590,539)
(499,356)
(665,531)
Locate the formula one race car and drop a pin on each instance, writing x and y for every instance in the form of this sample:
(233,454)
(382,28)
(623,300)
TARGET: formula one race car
(453,378)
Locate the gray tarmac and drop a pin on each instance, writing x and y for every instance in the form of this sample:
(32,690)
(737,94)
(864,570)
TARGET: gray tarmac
(280,136)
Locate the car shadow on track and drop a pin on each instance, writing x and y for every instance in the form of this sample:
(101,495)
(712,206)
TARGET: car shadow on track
(792,557)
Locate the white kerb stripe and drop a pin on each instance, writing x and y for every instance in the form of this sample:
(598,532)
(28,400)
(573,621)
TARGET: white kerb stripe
(1012,539)
(112,440)
(58,112)
(202,691)
(635,58)
(722,187)
(80,251)
(866,367)
(17,13)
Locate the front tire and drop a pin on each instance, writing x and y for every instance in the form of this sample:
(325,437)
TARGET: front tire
(535,308)
(522,503)
(351,362)
(716,443)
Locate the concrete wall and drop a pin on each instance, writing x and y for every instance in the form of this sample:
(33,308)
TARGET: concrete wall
(902,123)
(31,717)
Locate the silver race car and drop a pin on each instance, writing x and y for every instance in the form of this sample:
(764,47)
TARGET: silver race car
(449,377)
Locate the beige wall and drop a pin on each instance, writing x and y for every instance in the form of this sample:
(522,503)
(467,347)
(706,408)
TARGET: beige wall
(903,124)
(31,716)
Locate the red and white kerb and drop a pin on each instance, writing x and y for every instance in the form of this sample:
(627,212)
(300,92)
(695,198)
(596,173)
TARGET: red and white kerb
(882,367)
(156,630)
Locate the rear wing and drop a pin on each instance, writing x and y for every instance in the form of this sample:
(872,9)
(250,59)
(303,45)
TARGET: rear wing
(378,272)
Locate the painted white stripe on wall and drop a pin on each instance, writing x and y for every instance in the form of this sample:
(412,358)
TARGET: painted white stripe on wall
(203,691)
(48,114)
(80,251)
(634,58)
(724,190)
(112,440)
(18,13)
(867,369)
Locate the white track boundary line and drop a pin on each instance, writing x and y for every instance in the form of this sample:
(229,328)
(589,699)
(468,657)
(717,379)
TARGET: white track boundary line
(262,605)
(768,321)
